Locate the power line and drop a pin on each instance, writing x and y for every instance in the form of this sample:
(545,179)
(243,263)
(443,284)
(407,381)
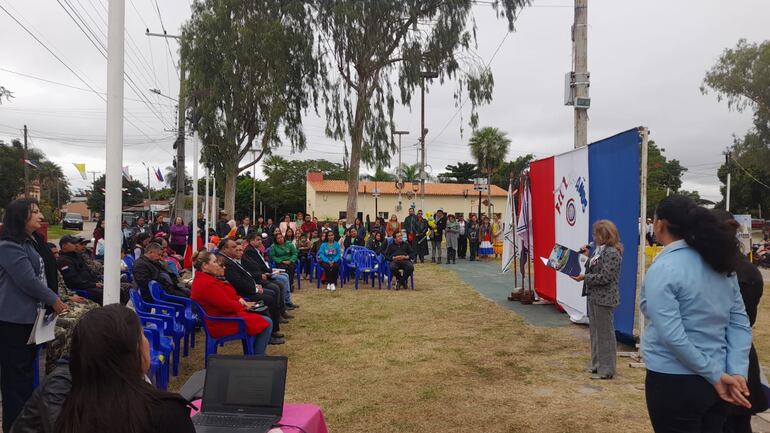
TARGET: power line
(168,46)
(749,173)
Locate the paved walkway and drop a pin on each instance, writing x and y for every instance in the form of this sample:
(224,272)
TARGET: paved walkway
(485,277)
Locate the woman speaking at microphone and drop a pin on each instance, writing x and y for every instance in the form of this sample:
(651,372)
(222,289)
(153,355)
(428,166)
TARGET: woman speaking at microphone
(600,285)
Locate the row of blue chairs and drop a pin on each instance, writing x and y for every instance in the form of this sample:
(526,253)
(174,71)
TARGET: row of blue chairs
(357,263)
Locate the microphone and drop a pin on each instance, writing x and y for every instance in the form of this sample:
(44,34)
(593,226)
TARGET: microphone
(591,245)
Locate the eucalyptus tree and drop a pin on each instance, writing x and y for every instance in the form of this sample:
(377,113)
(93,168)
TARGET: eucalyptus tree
(377,54)
(252,76)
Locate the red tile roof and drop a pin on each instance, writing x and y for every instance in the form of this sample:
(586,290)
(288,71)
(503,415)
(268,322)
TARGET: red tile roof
(366,187)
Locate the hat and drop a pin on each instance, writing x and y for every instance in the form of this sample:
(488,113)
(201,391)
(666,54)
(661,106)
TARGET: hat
(69,239)
(264,235)
(82,240)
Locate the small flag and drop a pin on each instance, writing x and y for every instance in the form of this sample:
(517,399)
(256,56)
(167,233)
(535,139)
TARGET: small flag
(81,169)
(158,175)
(125,173)
(31,163)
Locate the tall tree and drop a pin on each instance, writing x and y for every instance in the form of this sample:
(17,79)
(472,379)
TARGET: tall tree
(511,168)
(374,46)
(664,176)
(252,74)
(133,193)
(381,175)
(462,172)
(742,77)
(11,171)
(409,172)
(489,147)
(171,179)
(750,179)
(5,93)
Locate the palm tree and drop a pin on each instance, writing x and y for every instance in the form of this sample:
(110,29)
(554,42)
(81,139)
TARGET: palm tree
(489,146)
(409,172)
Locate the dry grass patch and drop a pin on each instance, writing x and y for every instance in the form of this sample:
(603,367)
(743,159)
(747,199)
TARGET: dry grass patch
(444,359)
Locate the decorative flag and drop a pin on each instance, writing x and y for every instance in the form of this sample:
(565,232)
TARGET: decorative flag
(32,163)
(81,169)
(572,191)
(509,241)
(158,175)
(125,173)
(524,221)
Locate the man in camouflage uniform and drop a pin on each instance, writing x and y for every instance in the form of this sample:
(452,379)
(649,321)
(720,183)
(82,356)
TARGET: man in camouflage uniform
(98,268)
(77,306)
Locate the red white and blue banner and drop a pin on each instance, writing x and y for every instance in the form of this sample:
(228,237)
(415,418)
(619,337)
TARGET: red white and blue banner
(569,193)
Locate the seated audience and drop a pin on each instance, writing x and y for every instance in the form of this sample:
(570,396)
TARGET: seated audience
(151,267)
(109,361)
(304,246)
(290,237)
(353,238)
(247,288)
(376,243)
(160,228)
(65,323)
(284,254)
(329,257)
(142,239)
(217,297)
(308,226)
(75,270)
(399,255)
(245,229)
(258,265)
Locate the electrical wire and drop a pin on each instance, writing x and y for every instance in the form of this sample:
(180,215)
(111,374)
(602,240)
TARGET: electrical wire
(749,173)
(168,46)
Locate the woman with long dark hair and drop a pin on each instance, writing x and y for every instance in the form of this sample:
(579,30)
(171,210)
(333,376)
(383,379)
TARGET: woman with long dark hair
(697,336)
(109,359)
(329,257)
(28,278)
(178,238)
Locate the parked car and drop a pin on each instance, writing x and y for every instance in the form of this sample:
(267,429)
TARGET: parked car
(72,220)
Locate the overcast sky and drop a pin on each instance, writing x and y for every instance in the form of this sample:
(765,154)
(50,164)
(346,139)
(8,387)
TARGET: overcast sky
(647,61)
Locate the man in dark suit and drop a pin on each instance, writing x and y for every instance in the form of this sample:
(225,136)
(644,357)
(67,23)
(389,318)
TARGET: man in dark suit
(245,229)
(222,228)
(75,271)
(149,267)
(399,254)
(245,285)
(259,266)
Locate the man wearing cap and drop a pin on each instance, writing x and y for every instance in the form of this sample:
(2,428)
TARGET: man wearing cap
(222,227)
(75,271)
(95,266)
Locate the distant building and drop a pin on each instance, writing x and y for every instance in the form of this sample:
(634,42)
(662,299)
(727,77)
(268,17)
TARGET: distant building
(327,199)
(77,205)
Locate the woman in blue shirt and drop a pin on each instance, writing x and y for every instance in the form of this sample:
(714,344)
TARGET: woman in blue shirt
(329,255)
(697,335)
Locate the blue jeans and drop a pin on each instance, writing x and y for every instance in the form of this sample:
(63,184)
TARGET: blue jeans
(260,343)
(283,279)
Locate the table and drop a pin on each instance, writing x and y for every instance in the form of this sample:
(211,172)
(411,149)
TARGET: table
(307,416)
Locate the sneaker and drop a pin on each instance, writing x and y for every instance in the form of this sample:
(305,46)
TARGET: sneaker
(333,288)
(328,287)
(276,341)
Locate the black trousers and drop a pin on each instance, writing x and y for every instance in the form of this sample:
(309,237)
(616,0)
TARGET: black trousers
(474,249)
(273,302)
(406,269)
(683,403)
(16,370)
(331,270)
(291,270)
(420,247)
(462,246)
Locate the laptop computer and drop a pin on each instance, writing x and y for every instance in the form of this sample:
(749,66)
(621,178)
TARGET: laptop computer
(242,392)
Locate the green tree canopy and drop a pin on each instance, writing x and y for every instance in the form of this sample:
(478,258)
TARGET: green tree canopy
(462,172)
(741,76)
(379,50)
(133,193)
(171,179)
(664,176)
(750,184)
(489,147)
(511,168)
(252,74)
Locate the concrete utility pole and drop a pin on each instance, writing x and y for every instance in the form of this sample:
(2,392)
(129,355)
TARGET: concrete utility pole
(116,17)
(149,192)
(26,165)
(254,187)
(728,157)
(582,77)
(423,132)
(179,145)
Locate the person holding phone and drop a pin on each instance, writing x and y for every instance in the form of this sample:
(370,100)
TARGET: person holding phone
(601,287)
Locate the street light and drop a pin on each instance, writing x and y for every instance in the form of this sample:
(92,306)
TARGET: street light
(158,92)
(423,131)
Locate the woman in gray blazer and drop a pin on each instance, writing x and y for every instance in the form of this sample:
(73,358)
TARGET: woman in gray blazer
(601,286)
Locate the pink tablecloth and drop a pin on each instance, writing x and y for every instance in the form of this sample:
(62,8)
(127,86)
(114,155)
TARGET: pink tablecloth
(307,416)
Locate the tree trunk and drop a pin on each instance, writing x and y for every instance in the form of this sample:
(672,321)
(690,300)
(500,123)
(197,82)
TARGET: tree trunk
(230,181)
(357,139)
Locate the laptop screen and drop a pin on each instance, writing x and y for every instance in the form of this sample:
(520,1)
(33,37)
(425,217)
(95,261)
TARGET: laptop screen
(253,385)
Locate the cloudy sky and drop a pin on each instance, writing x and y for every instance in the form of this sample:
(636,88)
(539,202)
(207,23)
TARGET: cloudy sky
(647,61)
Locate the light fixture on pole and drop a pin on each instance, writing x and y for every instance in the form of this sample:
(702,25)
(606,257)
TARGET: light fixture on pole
(399,171)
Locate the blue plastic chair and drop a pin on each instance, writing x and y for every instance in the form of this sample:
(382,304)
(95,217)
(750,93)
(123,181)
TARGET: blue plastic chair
(190,319)
(385,266)
(212,343)
(129,261)
(366,265)
(36,365)
(160,351)
(173,318)
(347,265)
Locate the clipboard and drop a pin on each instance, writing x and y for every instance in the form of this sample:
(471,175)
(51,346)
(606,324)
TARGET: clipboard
(44,327)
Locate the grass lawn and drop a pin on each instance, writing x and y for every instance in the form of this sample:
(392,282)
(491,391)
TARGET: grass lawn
(56,232)
(444,359)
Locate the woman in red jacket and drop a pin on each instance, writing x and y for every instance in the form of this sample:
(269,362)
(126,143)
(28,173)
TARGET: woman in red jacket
(218,299)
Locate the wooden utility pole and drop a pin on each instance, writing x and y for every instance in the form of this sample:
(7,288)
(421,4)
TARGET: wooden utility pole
(26,165)
(581,83)
(729,173)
